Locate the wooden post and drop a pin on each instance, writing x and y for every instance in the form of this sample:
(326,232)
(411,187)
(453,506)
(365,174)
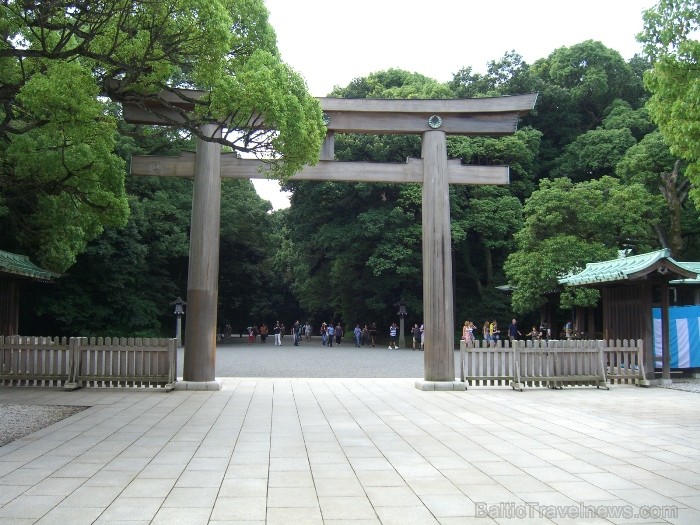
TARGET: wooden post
(203,273)
(328,147)
(178,330)
(590,311)
(438,315)
(665,326)
(9,306)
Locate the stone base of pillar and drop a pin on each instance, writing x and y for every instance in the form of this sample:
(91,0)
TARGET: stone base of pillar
(664,382)
(440,385)
(197,385)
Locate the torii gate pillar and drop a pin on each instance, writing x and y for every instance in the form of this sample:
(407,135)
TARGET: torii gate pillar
(203,272)
(437,262)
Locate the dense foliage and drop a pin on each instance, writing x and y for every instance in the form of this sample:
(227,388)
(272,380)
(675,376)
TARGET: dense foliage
(591,175)
(60,179)
(670,39)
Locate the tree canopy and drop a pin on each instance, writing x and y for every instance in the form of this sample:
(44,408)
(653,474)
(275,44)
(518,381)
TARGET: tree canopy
(60,180)
(670,39)
(568,224)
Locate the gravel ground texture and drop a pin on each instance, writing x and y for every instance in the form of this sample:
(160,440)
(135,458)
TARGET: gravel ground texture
(310,359)
(17,421)
(685,384)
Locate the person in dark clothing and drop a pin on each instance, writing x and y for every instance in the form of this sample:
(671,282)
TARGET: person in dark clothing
(513,331)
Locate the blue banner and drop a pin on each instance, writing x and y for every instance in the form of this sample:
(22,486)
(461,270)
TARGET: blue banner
(684,336)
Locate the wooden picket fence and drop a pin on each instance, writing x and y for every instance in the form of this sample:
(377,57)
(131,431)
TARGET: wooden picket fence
(96,362)
(35,361)
(552,363)
(625,362)
(103,362)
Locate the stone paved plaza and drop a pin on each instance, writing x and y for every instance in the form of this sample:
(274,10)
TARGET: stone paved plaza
(355,452)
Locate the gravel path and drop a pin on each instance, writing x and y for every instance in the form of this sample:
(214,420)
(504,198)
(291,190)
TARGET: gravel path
(687,385)
(310,359)
(19,420)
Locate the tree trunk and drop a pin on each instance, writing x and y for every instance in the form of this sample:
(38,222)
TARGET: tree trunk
(488,260)
(675,194)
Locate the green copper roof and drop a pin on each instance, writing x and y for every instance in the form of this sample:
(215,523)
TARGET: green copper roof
(21,265)
(693,267)
(632,267)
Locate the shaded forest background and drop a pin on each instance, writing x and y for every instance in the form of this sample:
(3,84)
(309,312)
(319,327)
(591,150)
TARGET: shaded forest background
(590,175)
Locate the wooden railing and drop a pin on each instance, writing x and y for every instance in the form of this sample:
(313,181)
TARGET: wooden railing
(625,362)
(34,361)
(79,361)
(570,363)
(552,363)
(487,365)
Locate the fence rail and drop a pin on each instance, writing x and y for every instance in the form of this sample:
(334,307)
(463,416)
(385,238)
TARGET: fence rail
(34,361)
(552,363)
(79,361)
(625,362)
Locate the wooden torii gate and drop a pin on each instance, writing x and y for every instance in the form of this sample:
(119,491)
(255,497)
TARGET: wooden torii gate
(433,119)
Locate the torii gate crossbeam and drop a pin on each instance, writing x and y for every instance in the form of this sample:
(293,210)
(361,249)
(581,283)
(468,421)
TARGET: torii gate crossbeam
(433,119)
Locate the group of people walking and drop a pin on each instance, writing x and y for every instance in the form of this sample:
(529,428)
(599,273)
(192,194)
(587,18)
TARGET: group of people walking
(329,333)
(298,331)
(366,335)
(363,335)
(491,332)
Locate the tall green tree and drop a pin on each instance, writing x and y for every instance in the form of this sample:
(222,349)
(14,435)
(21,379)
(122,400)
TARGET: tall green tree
(509,75)
(651,163)
(593,154)
(249,291)
(577,86)
(484,220)
(60,181)
(670,40)
(392,83)
(123,282)
(568,224)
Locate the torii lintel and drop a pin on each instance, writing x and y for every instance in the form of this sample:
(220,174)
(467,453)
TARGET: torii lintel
(233,167)
(472,116)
